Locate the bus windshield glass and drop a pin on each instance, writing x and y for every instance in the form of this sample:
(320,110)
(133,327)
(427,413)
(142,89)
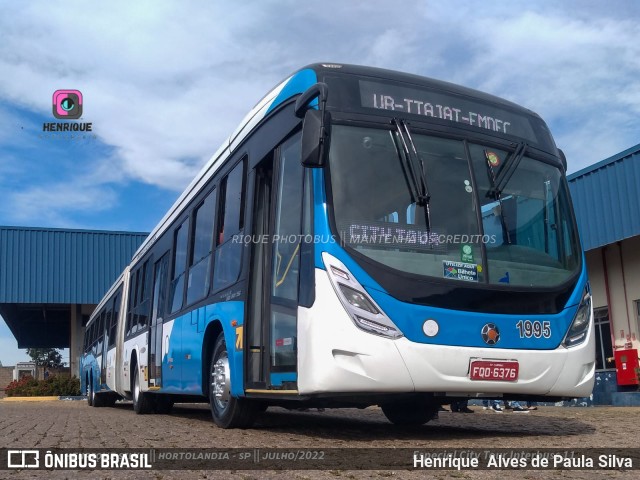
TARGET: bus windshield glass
(521,234)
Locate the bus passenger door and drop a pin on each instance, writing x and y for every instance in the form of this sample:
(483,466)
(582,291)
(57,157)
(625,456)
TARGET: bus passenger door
(157,315)
(272,319)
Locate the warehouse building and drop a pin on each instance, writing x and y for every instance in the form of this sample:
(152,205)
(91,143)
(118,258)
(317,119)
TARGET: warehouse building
(606,199)
(51,280)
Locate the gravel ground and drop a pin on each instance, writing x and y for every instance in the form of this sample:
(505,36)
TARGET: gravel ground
(72,424)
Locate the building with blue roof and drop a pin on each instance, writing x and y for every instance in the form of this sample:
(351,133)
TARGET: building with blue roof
(51,280)
(606,199)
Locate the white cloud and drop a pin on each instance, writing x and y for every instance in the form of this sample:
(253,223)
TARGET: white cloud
(165,83)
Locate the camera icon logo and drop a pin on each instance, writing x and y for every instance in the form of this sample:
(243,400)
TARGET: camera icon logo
(67,104)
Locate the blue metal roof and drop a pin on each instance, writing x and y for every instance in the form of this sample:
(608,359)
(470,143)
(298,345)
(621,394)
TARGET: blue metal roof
(606,199)
(50,265)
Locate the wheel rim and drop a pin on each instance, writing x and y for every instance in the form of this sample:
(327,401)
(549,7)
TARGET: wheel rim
(220,382)
(136,389)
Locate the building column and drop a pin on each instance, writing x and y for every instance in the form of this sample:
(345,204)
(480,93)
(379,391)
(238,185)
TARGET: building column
(75,342)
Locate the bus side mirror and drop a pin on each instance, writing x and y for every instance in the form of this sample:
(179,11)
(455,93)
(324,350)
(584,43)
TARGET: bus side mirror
(314,139)
(314,126)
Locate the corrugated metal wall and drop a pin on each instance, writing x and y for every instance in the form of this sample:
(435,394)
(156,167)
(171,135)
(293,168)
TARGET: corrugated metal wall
(606,199)
(61,266)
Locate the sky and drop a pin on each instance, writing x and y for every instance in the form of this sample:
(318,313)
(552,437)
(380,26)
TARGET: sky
(164,83)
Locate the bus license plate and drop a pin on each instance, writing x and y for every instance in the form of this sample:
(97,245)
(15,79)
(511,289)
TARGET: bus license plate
(493,371)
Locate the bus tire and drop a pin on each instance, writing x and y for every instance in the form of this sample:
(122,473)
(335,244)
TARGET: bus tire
(227,411)
(98,399)
(142,403)
(409,413)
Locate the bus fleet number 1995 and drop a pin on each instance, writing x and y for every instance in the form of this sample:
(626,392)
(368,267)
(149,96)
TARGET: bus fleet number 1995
(536,329)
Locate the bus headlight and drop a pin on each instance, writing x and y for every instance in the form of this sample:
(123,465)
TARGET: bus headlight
(580,326)
(357,299)
(364,312)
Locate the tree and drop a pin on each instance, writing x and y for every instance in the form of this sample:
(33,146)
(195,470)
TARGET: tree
(45,357)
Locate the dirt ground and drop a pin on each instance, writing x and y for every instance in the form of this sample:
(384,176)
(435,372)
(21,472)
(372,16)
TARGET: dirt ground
(72,424)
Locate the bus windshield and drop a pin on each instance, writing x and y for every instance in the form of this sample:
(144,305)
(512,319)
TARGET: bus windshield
(494,216)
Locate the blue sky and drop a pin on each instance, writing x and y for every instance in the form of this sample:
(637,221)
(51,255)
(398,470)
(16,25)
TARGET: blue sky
(164,83)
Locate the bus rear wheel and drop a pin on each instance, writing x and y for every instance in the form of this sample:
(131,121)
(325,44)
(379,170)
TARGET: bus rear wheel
(227,411)
(141,401)
(98,399)
(409,413)
(89,391)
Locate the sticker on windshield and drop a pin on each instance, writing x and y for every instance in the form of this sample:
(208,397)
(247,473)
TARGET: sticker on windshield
(460,271)
(492,158)
(466,253)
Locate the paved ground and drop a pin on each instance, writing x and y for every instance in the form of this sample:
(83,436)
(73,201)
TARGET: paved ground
(73,424)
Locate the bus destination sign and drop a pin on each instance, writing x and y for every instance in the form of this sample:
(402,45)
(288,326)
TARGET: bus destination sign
(428,103)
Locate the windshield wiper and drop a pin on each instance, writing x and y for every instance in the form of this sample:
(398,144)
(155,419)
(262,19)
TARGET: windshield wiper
(413,169)
(508,169)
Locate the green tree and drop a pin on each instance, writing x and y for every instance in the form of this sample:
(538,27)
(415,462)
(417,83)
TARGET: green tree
(45,357)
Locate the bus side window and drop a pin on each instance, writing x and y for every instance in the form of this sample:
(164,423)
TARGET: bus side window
(108,318)
(132,299)
(113,327)
(89,337)
(230,224)
(141,309)
(179,266)
(200,253)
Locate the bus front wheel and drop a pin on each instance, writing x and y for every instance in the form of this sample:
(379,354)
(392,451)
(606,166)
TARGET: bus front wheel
(411,413)
(227,411)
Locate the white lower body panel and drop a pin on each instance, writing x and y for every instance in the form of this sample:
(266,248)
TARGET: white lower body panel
(334,356)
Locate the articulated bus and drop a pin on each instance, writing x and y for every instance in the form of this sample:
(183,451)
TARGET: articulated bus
(365,237)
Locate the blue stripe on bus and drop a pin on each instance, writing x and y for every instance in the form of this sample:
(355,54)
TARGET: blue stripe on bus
(456,325)
(321,228)
(186,345)
(296,85)
(463,328)
(89,367)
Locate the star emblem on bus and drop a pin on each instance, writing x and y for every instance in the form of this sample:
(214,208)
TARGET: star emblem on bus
(490,334)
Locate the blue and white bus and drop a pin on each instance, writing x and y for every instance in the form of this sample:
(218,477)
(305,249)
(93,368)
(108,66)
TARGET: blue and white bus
(365,237)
